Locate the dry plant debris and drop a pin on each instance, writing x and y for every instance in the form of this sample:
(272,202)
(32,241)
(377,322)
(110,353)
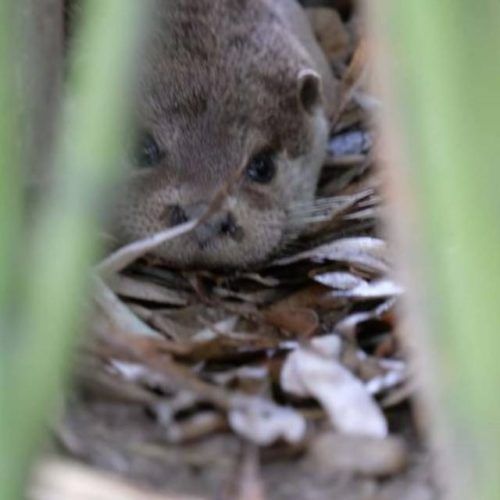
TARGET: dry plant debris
(277,382)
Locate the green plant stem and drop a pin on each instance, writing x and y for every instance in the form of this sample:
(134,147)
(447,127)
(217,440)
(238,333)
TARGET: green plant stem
(446,80)
(10,168)
(10,209)
(88,156)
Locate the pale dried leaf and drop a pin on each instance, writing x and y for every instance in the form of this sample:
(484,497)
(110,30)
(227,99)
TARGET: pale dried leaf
(365,251)
(327,345)
(350,407)
(134,288)
(354,142)
(348,325)
(388,380)
(121,317)
(377,289)
(124,256)
(339,280)
(263,422)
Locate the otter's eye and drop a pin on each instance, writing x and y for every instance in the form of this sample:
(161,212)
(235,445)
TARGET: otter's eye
(261,168)
(148,153)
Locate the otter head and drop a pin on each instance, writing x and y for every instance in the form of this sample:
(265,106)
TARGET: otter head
(223,103)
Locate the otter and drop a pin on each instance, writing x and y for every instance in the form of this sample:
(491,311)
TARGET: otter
(230,91)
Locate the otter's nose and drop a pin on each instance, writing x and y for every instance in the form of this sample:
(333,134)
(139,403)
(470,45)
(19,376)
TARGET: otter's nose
(219,224)
(216,226)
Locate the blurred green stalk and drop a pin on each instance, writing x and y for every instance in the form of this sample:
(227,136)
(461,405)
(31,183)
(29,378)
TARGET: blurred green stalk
(445,62)
(62,245)
(10,171)
(10,210)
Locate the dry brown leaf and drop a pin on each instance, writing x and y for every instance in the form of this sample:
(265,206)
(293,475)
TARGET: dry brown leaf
(351,80)
(220,328)
(330,32)
(199,425)
(230,348)
(299,321)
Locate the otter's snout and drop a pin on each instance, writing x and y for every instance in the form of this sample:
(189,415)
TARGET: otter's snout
(220,224)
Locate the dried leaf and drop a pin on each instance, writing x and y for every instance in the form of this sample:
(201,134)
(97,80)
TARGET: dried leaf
(121,317)
(396,374)
(220,328)
(339,280)
(263,422)
(369,253)
(255,374)
(299,321)
(330,32)
(195,427)
(234,349)
(133,288)
(351,80)
(350,407)
(258,298)
(327,345)
(353,142)
(348,325)
(123,257)
(354,287)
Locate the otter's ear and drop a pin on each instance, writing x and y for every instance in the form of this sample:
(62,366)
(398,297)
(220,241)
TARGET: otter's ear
(309,90)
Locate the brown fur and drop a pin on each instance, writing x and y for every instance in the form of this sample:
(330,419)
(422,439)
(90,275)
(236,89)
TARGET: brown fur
(219,83)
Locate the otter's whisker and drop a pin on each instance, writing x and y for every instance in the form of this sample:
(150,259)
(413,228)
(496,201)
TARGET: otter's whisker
(327,202)
(335,200)
(312,220)
(316,213)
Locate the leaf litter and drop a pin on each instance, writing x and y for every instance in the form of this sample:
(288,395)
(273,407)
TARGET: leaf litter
(277,382)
